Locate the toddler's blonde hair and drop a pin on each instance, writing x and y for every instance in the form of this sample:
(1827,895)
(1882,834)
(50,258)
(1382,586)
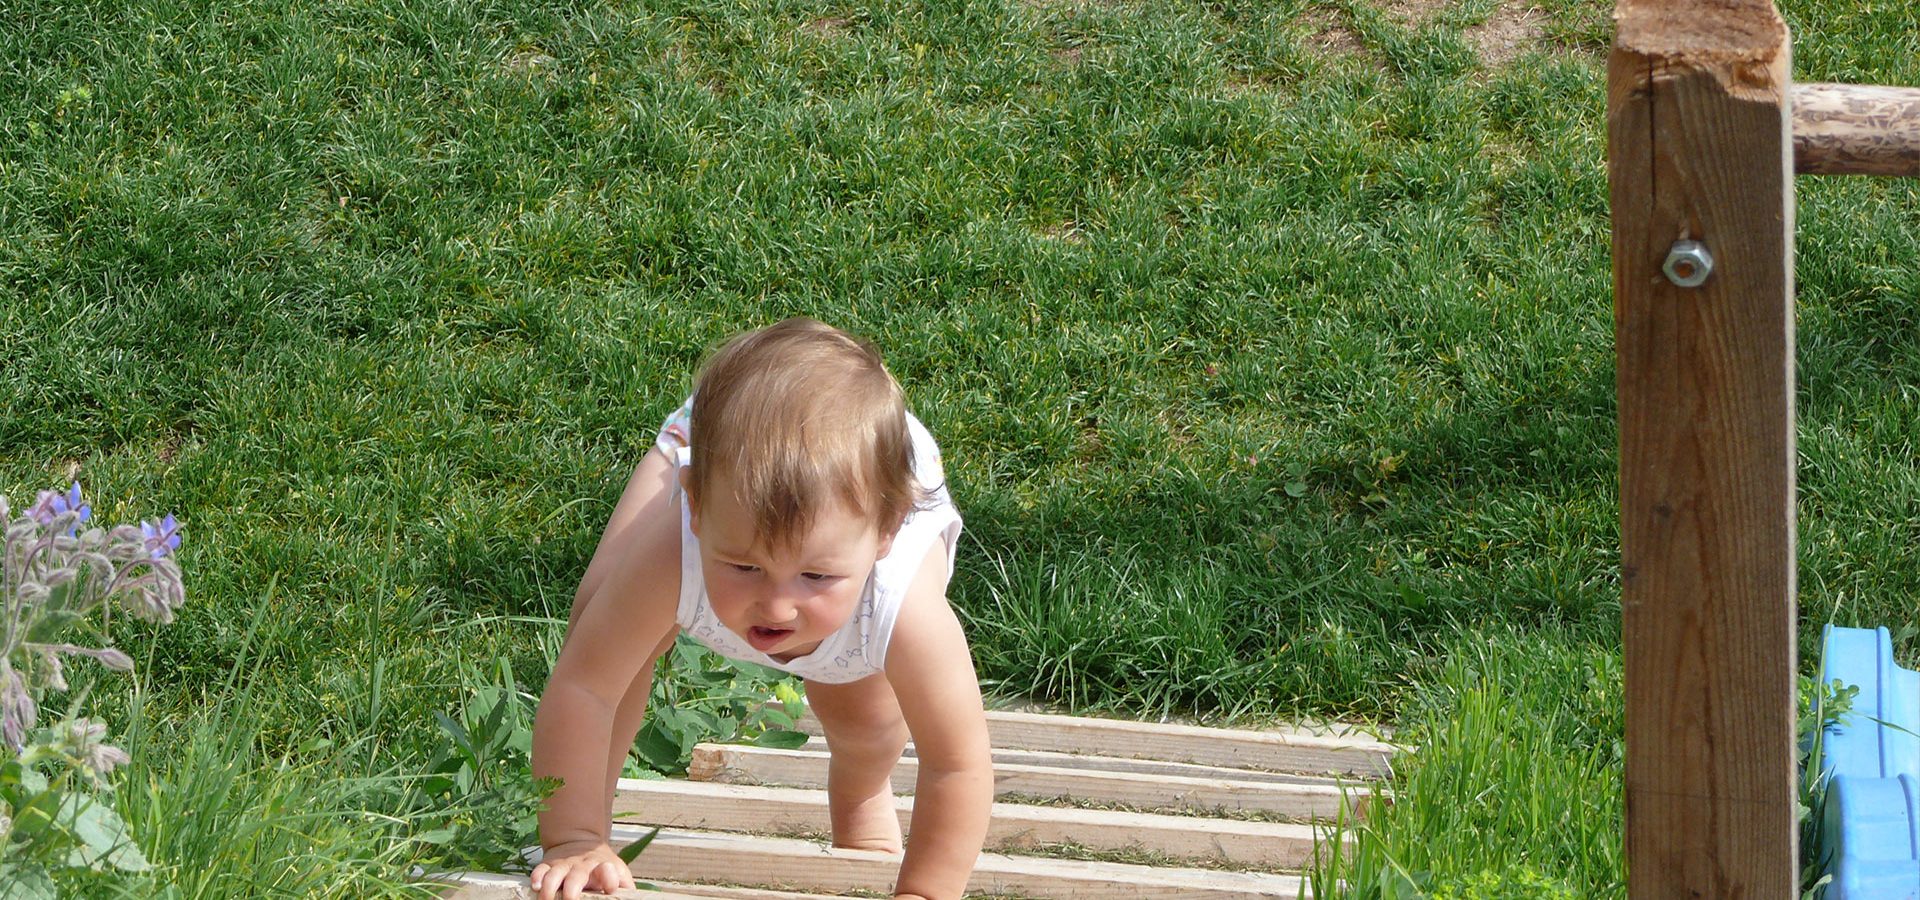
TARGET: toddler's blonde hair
(798,414)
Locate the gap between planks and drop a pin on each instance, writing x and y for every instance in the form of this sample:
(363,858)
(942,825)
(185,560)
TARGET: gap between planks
(1012,827)
(1346,751)
(1057,760)
(741,764)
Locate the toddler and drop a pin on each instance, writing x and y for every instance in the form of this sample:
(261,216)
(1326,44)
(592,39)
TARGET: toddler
(795,515)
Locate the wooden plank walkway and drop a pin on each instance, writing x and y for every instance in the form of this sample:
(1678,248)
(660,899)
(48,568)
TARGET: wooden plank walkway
(1192,814)
(1015,827)
(808,768)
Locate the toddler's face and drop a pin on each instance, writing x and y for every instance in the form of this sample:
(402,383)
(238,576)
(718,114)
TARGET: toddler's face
(784,602)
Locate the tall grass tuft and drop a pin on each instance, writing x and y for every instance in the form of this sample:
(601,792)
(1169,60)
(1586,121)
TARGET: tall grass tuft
(1515,791)
(1823,702)
(219,814)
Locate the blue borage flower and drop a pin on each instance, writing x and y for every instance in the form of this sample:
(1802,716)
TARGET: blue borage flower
(163,538)
(51,505)
(53,576)
(49,567)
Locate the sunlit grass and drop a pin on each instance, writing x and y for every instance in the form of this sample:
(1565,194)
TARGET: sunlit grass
(1269,344)
(1516,788)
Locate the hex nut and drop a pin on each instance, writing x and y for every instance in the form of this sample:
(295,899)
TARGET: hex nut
(1688,264)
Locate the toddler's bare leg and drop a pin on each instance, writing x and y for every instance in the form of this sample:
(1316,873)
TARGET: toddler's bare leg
(866,734)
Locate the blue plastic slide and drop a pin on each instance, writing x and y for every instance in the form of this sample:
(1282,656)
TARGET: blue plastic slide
(1874,758)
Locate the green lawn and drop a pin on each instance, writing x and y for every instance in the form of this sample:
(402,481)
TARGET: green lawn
(1269,345)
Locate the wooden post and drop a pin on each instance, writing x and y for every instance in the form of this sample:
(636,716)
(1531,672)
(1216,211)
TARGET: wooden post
(1700,149)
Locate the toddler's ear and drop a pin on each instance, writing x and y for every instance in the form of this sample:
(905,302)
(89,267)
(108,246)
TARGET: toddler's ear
(693,506)
(886,538)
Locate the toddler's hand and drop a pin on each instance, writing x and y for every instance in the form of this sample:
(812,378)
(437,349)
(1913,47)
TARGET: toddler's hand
(567,869)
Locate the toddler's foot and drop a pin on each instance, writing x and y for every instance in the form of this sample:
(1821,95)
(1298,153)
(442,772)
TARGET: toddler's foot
(871,825)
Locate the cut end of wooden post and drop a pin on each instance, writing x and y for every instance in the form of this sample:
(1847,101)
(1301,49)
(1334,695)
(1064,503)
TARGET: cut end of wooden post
(1743,42)
(1707,29)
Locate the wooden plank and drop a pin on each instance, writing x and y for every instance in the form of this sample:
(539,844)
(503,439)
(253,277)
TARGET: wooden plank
(1013,827)
(1699,148)
(789,864)
(1852,129)
(804,768)
(731,893)
(1058,760)
(1350,753)
(487,886)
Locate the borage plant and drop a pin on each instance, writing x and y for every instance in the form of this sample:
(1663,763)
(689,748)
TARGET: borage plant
(54,777)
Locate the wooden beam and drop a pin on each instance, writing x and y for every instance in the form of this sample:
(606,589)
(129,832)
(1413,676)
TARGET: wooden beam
(1699,149)
(789,864)
(728,893)
(487,886)
(1013,827)
(1339,750)
(1851,129)
(1057,760)
(739,764)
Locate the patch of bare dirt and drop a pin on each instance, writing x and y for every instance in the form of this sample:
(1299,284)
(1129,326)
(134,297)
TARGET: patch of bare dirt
(1068,231)
(681,60)
(529,62)
(686,66)
(1067,56)
(1513,30)
(1329,35)
(1242,84)
(1413,13)
(828,26)
(1090,441)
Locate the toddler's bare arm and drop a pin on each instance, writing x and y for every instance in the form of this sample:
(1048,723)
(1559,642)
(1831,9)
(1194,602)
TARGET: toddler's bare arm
(649,492)
(615,636)
(931,670)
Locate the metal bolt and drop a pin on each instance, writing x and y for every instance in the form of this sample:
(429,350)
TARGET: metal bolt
(1688,264)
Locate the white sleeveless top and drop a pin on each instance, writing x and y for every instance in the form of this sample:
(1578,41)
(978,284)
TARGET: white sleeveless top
(859,648)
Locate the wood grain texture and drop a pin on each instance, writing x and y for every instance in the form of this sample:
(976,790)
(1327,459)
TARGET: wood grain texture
(1058,760)
(1851,129)
(729,893)
(486,886)
(1699,148)
(692,856)
(738,764)
(1013,827)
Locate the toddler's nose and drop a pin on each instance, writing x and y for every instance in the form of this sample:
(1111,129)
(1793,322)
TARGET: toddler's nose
(778,610)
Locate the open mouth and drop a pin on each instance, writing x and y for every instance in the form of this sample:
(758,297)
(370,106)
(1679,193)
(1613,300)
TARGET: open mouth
(764,639)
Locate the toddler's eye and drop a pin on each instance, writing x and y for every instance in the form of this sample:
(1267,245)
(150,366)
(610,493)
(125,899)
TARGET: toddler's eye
(815,576)
(741,567)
